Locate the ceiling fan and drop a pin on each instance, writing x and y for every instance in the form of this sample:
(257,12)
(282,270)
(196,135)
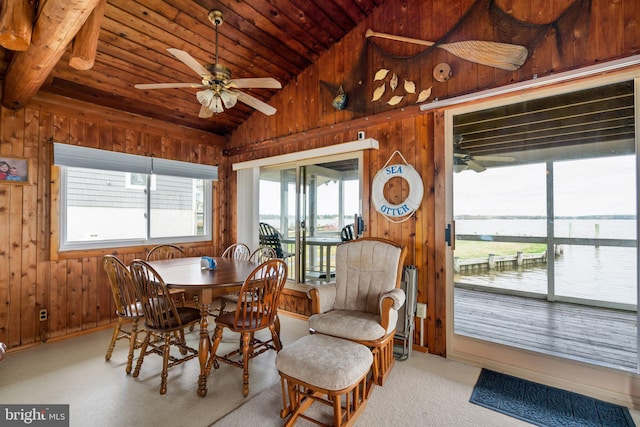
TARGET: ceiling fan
(463,160)
(219,89)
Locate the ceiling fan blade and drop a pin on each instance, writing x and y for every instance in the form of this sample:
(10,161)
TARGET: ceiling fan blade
(257,82)
(189,61)
(495,158)
(167,85)
(251,101)
(475,166)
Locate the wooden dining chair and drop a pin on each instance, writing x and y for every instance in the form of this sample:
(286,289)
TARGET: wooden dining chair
(256,310)
(238,251)
(169,252)
(260,255)
(128,308)
(162,318)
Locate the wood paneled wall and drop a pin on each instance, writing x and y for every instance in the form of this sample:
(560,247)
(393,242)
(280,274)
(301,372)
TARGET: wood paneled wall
(73,288)
(570,34)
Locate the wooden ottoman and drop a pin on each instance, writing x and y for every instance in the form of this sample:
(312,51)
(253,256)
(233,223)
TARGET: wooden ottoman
(325,369)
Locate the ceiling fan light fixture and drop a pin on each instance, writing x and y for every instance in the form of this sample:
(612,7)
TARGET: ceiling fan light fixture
(216,105)
(229,98)
(205,97)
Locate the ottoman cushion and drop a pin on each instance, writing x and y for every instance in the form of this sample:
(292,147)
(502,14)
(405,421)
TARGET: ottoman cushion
(324,361)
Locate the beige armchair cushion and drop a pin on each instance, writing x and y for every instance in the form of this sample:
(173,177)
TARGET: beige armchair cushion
(365,270)
(366,274)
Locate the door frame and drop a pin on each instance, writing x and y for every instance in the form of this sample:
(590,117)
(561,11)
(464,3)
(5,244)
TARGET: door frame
(604,383)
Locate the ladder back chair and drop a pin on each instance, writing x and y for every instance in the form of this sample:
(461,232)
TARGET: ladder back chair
(162,318)
(128,308)
(256,310)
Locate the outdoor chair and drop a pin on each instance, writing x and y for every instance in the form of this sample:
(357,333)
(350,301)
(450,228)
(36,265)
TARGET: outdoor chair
(362,304)
(270,236)
(256,310)
(163,319)
(347,233)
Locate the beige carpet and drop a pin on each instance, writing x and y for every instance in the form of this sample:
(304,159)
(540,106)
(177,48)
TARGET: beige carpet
(424,390)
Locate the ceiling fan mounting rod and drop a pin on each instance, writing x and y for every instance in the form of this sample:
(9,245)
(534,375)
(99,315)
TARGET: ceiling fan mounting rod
(215,16)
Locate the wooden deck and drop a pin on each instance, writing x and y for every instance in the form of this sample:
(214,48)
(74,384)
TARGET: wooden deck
(601,336)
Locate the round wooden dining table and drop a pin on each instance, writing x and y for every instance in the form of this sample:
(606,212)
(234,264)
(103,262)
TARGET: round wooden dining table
(187,273)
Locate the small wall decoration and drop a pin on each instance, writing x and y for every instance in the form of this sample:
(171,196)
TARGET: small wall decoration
(442,72)
(404,210)
(340,100)
(14,170)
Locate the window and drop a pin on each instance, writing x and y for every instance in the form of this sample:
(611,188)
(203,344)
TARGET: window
(112,199)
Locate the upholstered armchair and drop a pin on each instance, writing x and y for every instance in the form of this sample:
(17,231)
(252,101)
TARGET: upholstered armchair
(362,304)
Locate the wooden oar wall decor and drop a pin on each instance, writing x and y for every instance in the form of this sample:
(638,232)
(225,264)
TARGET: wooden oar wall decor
(494,54)
(401,79)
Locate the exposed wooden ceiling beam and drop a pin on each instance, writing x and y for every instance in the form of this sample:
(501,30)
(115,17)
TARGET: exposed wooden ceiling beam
(83,52)
(16,18)
(57,25)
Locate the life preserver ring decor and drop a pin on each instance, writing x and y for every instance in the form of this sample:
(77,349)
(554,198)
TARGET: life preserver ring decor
(416,190)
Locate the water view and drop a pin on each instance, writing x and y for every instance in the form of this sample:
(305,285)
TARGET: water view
(606,273)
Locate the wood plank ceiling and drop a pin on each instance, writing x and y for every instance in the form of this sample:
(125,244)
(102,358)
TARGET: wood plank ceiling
(259,38)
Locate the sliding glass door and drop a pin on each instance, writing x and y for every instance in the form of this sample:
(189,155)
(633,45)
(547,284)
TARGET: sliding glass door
(309,203)
(545,210)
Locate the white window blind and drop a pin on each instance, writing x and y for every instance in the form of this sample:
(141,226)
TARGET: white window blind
(93,158)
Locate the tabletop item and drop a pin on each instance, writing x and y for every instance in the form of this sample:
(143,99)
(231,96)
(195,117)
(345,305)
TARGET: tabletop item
(206,262)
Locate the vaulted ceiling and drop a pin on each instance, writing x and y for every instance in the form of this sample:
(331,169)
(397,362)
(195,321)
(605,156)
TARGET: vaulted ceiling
(258,38)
